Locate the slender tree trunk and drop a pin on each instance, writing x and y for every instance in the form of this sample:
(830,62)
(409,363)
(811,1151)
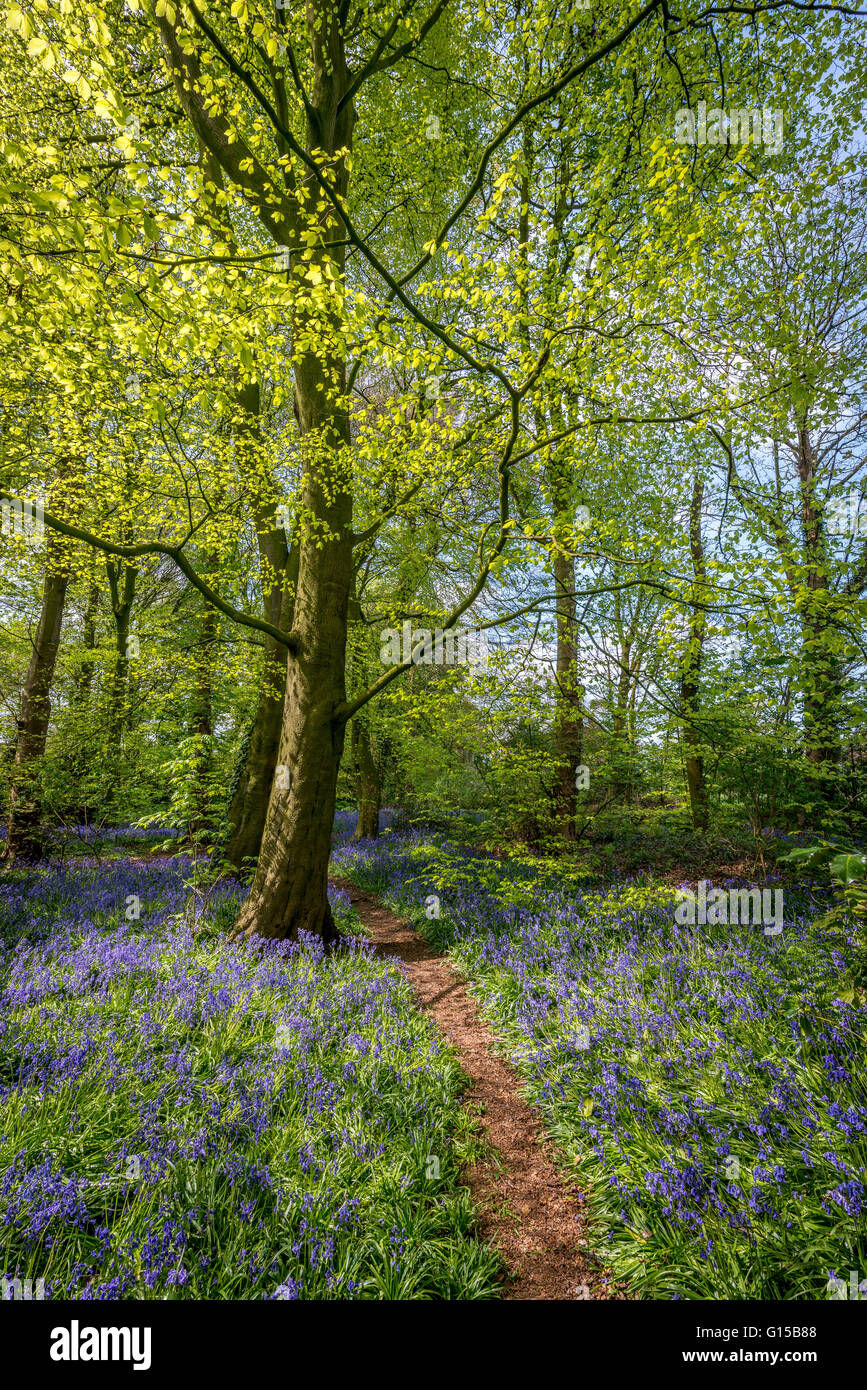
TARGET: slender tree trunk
(569,726)
(368,781)
(691,670)
(84,674)
(289,892)
(622,723)
(81,756)
(202,723)
(121,581)
(249,804)
(278,566)
(25,838)
(621,746)
(569,692)
(821,669)
(367,775)
(807,571)
(279,569)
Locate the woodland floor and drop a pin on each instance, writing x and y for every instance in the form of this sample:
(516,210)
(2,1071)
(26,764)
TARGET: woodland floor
(528,1207)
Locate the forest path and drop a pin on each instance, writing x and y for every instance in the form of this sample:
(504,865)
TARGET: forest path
(528,1209)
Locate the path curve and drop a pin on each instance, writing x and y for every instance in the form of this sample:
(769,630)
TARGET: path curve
(528,1208)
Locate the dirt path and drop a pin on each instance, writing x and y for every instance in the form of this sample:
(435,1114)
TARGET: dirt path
(529,1210)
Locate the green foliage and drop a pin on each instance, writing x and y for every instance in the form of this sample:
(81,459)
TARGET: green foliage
(847,871)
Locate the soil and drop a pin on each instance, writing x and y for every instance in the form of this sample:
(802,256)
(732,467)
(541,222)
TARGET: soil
(529,1209)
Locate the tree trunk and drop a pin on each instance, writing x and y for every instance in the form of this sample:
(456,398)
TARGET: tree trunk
(249,804)
(569,727)
(691,671)
(289,893)
(202,724)
(368,781)
(289,890)
(622,723)
(122,596)
(84,674)
(25,839)
(279,569)
(569,692)
(821,669)
(367,776)
(81,756)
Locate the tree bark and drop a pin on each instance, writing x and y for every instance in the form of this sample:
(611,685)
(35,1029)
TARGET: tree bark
(84,674)
(25,839)
(691,671)
(807,570)
(202,724)
(289,890)
(289,893)
(279,569)
(569,726)
(368,781)
(821,669)
(568,691)
(122,598)
(623,719)
(249,804)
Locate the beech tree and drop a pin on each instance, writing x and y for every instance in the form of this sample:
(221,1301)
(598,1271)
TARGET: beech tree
(298,198)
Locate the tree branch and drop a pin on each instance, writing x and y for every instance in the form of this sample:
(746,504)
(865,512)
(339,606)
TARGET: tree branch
(174,553)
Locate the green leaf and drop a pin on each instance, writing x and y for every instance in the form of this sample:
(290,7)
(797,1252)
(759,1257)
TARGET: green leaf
(851,868)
